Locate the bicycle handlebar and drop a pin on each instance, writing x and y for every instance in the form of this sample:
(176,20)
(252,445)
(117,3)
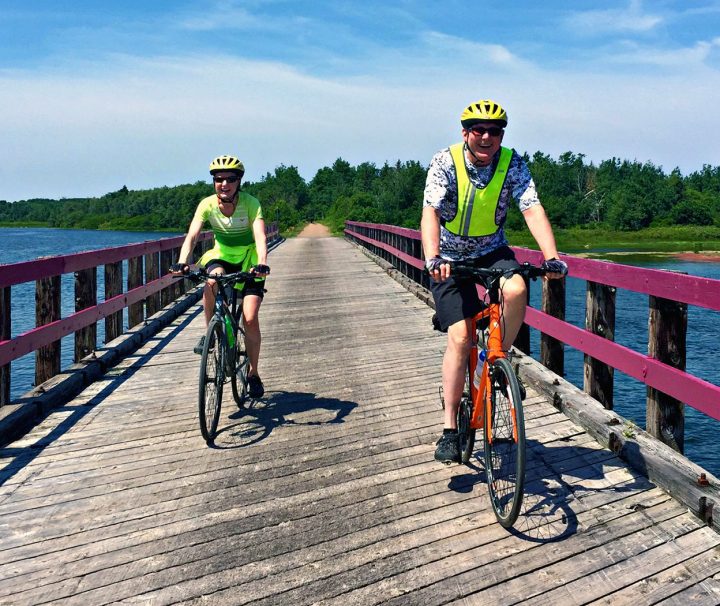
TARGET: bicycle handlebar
(488,275)
(201,275)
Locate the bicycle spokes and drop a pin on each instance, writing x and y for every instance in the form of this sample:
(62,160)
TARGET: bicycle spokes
(505,444)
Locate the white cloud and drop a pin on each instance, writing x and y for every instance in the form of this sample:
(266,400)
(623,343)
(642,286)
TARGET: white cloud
(684,58)
(599,22)
(152,122)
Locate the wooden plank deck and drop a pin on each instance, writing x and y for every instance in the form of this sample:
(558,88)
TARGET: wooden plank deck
(326,492)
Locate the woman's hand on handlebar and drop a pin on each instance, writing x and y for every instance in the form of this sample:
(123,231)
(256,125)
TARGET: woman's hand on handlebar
(260,270)
(179,269)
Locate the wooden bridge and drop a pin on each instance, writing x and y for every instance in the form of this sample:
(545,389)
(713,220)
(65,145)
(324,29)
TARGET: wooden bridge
(326,492)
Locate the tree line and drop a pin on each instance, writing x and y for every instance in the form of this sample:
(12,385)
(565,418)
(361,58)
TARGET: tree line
(616,194)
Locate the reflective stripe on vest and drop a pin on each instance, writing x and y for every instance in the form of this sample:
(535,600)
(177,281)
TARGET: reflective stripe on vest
(477,205)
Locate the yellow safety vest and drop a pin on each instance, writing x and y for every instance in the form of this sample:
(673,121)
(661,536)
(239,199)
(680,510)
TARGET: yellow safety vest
(476,205)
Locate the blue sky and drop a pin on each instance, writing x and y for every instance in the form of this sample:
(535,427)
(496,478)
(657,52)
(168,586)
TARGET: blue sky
(97,95)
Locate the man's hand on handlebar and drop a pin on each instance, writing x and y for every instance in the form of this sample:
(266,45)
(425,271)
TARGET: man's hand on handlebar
(555,268)
(438,268)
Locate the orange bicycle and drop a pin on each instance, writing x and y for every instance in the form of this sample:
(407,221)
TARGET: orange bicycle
(492,398)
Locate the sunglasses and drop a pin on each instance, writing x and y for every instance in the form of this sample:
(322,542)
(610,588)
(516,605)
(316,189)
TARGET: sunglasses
(230,179)
(493,131)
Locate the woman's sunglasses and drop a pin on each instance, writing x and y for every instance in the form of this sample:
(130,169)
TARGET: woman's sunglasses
(230,179)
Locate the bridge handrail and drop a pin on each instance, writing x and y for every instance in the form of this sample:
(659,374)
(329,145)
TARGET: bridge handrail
(693,290)
(403,249)
(51,329)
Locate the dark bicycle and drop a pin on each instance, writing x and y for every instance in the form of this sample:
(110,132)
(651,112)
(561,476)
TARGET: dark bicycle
(224,353)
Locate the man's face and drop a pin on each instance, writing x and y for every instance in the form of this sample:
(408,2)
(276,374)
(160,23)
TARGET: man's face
(226,185)
(483,139)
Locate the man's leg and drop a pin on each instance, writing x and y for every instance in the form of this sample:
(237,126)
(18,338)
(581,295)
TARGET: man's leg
(453,369)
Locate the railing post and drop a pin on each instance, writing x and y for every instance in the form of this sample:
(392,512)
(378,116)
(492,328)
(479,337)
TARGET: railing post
(667,331)
(552,351)
(47,309)
(85,296)
(113,288)
(134,280)
(600,320)
(152,272)
(5,317)
(522,341)
(166,294)
(417,254)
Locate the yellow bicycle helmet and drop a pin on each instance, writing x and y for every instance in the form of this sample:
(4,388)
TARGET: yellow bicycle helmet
(230,163)
(484,110)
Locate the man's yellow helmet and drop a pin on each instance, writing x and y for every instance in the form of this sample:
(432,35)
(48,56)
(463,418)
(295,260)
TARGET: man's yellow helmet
(484,110)
(227,163)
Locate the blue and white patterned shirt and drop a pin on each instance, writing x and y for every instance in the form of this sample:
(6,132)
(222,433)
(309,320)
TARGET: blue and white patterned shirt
(441,193)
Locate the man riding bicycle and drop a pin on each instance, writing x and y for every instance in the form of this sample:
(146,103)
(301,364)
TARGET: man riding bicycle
(468,190)
(236,220)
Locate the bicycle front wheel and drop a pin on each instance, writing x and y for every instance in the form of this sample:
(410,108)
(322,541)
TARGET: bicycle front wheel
(505,444)
(212,379)
(239,378)
(466,435)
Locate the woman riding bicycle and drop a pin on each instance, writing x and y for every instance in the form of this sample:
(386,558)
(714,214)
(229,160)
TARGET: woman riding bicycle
(236,220)
(468,191)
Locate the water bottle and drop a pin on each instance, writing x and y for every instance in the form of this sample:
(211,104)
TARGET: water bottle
(482,354)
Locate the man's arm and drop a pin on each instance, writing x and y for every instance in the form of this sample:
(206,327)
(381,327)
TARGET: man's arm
(430,234)
(541,230)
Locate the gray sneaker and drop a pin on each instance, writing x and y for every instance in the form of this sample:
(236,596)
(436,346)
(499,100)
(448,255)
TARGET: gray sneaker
(198,349)
(447,450)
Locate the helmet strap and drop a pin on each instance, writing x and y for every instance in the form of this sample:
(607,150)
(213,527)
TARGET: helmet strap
(467,148)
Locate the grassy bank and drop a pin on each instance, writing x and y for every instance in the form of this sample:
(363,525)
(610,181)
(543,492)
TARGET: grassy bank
(655,239)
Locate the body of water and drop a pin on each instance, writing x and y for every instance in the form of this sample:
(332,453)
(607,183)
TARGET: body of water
(631,330)
(22,244)
(25,244)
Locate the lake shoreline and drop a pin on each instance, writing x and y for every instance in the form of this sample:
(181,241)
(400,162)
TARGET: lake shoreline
(707,256)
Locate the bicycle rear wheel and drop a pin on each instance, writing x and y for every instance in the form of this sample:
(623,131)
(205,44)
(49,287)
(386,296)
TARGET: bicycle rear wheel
(466,435)
(505,444)
(212,379)
(239,379)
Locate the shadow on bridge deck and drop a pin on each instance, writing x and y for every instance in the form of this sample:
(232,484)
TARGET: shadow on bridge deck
(325,492)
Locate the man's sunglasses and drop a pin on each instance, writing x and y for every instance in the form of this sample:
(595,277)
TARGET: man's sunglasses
(493,131)
(230,179)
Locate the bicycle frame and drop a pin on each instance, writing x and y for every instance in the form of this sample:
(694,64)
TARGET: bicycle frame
(481,396)
(226,308)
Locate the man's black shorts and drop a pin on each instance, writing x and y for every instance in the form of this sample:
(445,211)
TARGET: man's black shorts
(457,299)
(249,288)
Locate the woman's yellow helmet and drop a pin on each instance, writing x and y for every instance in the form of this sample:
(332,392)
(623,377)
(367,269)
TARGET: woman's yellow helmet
(484,110)
(227,163)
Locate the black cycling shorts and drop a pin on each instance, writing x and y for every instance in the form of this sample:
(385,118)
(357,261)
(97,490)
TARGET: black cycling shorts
(251,287)
(457,298)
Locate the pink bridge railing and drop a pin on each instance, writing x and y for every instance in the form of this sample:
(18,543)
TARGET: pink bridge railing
(669,294)
(148,289)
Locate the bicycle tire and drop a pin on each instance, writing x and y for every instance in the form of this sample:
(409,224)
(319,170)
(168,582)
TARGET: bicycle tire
(212,379)
(504,440)
(239,378)
(466,435)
